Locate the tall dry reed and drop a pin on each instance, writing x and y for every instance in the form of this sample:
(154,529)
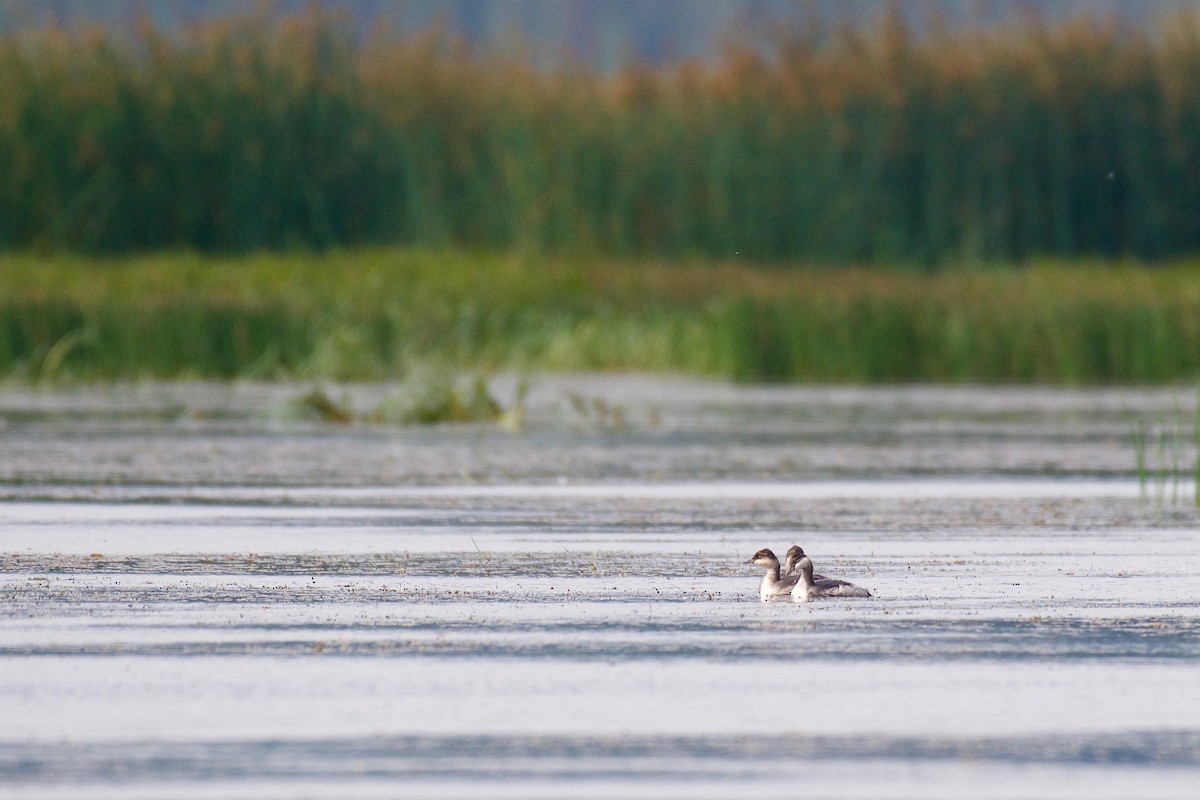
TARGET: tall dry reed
(846,145)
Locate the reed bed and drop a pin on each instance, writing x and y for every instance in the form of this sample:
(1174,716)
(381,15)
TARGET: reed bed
(872,145)
(377,314)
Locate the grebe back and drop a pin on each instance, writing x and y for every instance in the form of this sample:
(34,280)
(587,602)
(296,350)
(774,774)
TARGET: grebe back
(810,588)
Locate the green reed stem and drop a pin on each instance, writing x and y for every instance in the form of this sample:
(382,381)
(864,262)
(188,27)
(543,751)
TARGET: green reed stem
(1138,435)
(1196,452)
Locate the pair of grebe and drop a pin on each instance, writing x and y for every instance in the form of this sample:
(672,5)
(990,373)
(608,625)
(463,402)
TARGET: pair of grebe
(797,578)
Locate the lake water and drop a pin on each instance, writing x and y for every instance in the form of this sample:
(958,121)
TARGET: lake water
(202,596)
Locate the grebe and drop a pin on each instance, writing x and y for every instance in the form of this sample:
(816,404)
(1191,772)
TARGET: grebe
(772,584)
(809,587)
(794,554)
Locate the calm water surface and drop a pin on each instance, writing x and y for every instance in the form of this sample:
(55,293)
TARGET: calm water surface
(203,596)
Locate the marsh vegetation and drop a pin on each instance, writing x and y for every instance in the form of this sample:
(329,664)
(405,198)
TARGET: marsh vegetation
(382,314)
(859,143)
(837,207)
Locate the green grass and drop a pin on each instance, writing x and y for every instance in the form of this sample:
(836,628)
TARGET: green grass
(376,314)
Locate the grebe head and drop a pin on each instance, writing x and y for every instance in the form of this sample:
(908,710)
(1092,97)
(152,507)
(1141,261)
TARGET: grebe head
(804,565)
(794,554)
(764,558)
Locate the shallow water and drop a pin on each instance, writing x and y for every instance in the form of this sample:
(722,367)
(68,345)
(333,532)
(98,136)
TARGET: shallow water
(201,598)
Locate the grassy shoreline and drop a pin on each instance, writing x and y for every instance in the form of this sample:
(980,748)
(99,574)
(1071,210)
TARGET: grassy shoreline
(377,314)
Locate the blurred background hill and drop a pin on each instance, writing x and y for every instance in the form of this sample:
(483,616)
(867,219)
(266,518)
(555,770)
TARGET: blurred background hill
(603,33)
